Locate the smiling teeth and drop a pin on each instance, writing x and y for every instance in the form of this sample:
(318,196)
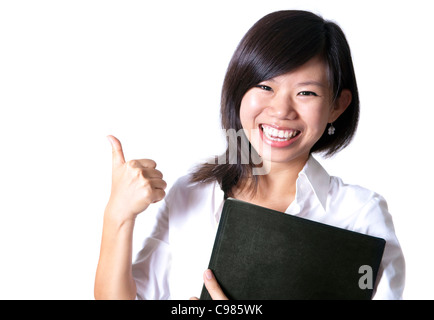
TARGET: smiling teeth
(279,135)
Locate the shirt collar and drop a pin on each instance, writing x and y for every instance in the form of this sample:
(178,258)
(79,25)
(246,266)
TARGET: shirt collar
(316,176)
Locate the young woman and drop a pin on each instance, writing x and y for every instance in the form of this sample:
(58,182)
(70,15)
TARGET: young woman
(290,90)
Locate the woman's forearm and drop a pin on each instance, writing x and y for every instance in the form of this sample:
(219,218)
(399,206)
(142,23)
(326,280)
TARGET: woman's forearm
(114,278)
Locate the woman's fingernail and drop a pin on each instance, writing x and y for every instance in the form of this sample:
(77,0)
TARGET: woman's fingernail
(208,274)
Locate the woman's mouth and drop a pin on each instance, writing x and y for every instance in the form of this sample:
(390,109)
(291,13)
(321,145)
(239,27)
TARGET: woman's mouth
(277,134)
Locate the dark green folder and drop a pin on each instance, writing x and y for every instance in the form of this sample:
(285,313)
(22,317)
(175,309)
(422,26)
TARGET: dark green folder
(262,254)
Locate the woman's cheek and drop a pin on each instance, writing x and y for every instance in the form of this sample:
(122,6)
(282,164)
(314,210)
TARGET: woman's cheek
(251,107)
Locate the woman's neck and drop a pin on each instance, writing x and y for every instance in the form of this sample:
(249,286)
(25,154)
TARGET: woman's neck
(275,190)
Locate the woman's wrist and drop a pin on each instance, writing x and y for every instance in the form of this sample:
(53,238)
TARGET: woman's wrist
(118,218)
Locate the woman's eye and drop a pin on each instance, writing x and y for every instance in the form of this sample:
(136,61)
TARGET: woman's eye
(264,87)
(308,93)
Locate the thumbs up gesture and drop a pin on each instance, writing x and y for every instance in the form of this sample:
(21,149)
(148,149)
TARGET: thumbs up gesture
(135,184)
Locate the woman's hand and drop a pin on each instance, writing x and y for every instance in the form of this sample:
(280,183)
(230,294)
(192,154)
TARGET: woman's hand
(212,286)
(135,184)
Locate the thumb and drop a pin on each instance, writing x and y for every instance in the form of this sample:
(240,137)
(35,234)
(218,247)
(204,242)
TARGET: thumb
(118,154)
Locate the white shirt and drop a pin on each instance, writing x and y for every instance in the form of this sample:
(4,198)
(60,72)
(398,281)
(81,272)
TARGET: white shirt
(174,256)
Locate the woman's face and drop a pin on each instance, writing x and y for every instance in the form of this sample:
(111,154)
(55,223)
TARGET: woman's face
(285,116)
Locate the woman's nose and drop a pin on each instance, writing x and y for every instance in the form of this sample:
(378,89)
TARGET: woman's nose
(282,108)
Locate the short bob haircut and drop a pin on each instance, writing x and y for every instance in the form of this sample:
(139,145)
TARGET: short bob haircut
(275,45)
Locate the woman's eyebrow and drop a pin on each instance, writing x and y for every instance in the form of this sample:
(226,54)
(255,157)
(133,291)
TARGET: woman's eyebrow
(311,83)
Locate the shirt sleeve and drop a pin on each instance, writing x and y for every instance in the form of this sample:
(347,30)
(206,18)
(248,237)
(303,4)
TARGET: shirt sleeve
(152,263)
(376,220)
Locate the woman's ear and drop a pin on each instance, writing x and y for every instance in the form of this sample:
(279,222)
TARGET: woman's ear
(340,105)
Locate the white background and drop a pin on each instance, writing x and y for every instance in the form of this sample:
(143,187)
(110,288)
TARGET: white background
(150,72)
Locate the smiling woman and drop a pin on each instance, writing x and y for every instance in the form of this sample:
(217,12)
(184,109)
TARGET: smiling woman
(290,77)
